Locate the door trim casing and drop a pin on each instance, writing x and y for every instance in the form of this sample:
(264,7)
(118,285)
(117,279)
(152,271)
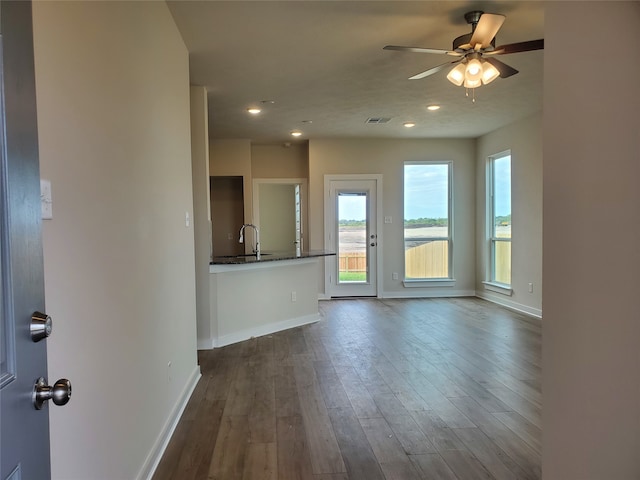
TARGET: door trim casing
(329,218)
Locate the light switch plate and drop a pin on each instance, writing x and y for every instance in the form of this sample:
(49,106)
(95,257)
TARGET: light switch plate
(387,219)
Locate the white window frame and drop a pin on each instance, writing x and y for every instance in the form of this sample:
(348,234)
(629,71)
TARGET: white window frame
(435,281)
(491,283)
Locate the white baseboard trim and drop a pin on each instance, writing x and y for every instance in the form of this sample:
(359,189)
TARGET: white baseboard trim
(430,293)
(274,327)
(511,305)
(160,445)
(206,344)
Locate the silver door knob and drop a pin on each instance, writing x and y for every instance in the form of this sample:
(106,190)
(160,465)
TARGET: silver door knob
(60,393)
(41,326)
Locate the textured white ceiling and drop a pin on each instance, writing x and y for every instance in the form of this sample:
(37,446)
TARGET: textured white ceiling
(323,61)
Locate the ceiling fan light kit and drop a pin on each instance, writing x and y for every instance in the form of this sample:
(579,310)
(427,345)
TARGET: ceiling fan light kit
(472,74)
(489,73)
(477,64)
(457,74)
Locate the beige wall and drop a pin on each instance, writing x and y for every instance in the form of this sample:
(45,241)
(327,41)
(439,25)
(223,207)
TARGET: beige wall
(591,326)
(278,161)
(387,157)
(113,118)
(524,139)
(232,158)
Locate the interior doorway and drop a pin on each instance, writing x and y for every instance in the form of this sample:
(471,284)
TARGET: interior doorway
(279,206)
(227,215)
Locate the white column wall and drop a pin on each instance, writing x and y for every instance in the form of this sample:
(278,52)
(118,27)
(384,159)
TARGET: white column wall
(591,324)
(113,117)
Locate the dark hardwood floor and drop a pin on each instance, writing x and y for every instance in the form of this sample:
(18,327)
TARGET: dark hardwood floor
(379,389)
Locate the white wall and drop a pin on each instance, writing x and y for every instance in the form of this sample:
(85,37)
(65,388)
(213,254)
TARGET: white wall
(257,299)
(591,330)
(387,157)
(524,139)
(113,117)
(201,204)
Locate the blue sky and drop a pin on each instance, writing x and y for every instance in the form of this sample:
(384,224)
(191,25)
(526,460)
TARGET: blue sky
(502,188)
(425,191)
(352,207)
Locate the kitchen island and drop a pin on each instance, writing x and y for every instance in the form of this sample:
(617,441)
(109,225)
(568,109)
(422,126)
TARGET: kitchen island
(251,297)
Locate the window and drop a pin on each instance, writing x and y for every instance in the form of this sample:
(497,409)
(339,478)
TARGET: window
(427,221)
(499,215)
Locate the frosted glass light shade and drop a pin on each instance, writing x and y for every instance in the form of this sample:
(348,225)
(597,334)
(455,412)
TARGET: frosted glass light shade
(475,83)
(489,73)
(456,75)
(473,71)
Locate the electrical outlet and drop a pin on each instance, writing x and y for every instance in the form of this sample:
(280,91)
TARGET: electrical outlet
(169,378)
(187,219)
(394,275)
(387,220)
(531,288)
(294,296)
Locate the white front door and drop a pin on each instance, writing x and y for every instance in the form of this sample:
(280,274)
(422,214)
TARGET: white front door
(351,231)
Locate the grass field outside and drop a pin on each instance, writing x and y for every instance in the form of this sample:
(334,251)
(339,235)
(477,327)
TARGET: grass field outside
(353,276)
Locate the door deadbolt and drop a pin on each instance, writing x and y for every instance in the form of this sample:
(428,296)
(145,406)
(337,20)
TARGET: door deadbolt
(60,393)
(41,326)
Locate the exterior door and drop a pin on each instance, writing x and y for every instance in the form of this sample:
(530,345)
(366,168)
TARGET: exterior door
(353,235)
(24,441)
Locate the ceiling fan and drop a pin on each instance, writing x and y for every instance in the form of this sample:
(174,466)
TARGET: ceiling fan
(476,64)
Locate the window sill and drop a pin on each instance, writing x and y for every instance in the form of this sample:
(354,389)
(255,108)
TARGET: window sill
(436,282)
(498,288)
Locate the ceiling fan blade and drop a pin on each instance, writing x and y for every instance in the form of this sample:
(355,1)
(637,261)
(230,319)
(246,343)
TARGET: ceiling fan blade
(518,47)
(433,70)
(421,50)
(486,29)
(504,69)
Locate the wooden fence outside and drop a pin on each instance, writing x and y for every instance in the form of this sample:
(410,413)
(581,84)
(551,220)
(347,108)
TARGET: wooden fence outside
(503,262)
(430,260)
(353,262)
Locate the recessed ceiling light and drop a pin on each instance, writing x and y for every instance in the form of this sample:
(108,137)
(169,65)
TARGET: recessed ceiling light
(296,133)
(254,110)
(409,124)
(433,108)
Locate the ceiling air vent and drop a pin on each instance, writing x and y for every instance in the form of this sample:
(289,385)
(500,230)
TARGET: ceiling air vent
(377,120)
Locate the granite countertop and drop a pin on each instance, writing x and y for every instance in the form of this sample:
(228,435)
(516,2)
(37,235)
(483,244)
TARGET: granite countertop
(267,257)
